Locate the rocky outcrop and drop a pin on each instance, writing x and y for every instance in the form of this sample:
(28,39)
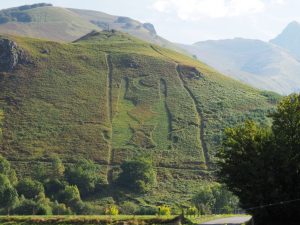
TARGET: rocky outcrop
(11,55)
(150,27)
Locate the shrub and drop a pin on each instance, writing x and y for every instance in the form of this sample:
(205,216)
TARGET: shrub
(112,210)
(137,175)
(191,211)
(30,188)
(57,168)
(84,175)
(53,187)
(129,208)
(163,210)
(60,209)
(204,200)
(69,194)
(147,210)
(8,194)
(30,207)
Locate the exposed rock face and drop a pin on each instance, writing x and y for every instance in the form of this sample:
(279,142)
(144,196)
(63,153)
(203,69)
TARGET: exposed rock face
(10,55)
(150,27)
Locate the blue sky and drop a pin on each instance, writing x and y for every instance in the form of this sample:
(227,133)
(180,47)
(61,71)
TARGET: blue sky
(189,21)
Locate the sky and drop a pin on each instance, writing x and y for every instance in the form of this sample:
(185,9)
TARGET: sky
(189,21)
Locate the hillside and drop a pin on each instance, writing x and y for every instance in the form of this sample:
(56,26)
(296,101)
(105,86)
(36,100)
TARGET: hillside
(260,64)
(290,39)
(61,24)
(110,97)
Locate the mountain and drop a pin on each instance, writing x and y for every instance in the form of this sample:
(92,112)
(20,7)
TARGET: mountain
(110,97)
(260,64)
(290,39)
(63,24)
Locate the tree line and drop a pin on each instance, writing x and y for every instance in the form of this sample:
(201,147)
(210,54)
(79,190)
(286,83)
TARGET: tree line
(261,165)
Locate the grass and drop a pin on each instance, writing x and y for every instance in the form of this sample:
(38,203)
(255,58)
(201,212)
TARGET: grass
(91,220)
(70,102)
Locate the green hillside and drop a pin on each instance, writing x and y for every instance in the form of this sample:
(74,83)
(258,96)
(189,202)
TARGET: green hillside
(110,97)
(66,25)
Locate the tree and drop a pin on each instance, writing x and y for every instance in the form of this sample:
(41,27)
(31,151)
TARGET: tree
(70,194)
(225,201)
(204,200)
(53,187)
(4,166)
(57,168)
(8,194)
(30,188)
(261,165)
(137,175)
(85,175)
(5,169)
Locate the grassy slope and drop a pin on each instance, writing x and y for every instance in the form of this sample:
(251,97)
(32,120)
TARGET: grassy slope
(52,23)
(111,97)
(65,25)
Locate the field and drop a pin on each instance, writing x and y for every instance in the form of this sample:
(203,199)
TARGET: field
(110,97)
(86,220)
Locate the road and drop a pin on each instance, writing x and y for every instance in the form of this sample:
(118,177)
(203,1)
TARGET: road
(229,220)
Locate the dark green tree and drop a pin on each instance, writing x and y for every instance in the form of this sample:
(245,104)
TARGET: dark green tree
(69,194)
(30,188)
(261,165)
(85,175)
(53,187)
(8,194)
(137,175)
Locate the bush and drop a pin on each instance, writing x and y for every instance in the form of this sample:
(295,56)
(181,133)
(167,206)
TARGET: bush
(60,209)
(30,207)
(30,188)
(129,208)
(8,194)
(147,210)
(81,208)
(5,169)
(112,210)
(53,187)
(191,211)
(84,175)
(69,194)
(137,175)
(164,210)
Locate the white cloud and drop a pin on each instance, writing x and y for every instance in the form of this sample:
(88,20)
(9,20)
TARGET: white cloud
(197,9)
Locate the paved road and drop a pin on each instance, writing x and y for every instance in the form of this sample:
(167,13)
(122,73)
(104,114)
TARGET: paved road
(230,220)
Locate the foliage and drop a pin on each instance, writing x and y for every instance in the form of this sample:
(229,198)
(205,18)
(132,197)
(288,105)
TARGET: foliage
(163,210)
(53,187)
(191,211)
(204,200)
(30,188)
(260,165)
(6,169)
(112,210)
(60,209)
(4,166)
(225,201)
(57,168)
(84,174)
(8,194)
(69,194)
(129,208)
(138,175)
